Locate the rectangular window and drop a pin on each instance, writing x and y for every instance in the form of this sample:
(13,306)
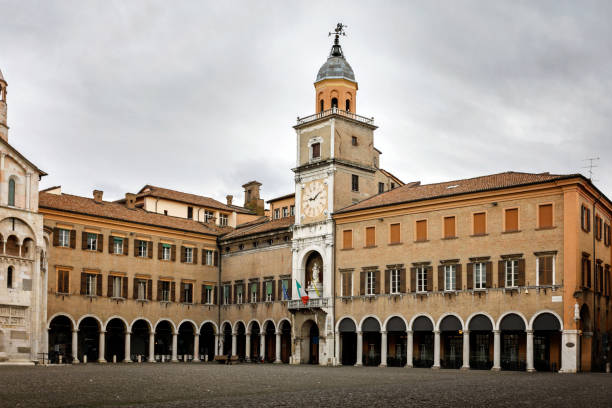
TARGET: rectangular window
(512,223)
(606,234)
(226,294)
(598,232)
(370,283)
(63,281)
(92,242)
(166,252)
(353,140)
(480,223)
(421,230)
(117,286)
(545,216)
(143,249)
(253,292)
(292,210)
(208,294)
(450,277)
(285,212)
(117,246)
(316,150)
(239,294)
(187,292)
(64,237)
(276,213)
(223,220)
(370,233)
(142,289)
(268,291)
(512,273)
(449,227)
(347,284)
(421,279)
(381,188)
(188,254)
(285,288)
(395,237)
(208,257)
(347,239)
(165,291)
(355,182)
(585,218)
(586,272)
(208,216)
(90,284)
(190,213)
(480,275)
(394,276)
(545,270)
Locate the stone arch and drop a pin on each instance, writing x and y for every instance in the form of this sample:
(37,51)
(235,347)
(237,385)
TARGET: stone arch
(470,317)
(127,325)
(426,315)
(264,325)
(193,324)
(74,325)
(346,317)
(164,319)
(444,315)
(235,326)
(359,328)
(519,314)
(250,325)
(384,326)
(85,316)
(303,259)
(279,324)
(140,318)
(534,317)
(222,326)
(214,325)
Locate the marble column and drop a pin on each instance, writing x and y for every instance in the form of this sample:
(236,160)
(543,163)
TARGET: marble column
(151,347)
(466,350)
(409,348)
(262,346)
(496,350)
(217,352)
(359,349)
(174,347)
(196,347)
(436,363)
(101,345)
(338,356)
(247,346)
(383,349)
(128,347)
(277,356)
(234,344)
(75,347)
(530,351)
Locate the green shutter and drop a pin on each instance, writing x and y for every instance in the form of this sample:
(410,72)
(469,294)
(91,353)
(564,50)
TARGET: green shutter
(166,245)
(209,287)
(268,288)
(253,288)
(239,289)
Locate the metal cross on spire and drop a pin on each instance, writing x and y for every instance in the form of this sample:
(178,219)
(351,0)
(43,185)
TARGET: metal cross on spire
(336,50)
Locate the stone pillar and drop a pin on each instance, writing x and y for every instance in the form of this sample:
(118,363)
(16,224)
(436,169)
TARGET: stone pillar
(174,347)
(152,347)
(28,190)
(247,346)
(496,350)
(297,356)
(337,357)
(530,351)
(570,346)
(359,362)
(234,344)
(436,363)
(277,356)
(409,349)
(383,349)
(466,350)
(217,352)
(128,347)
(196,347)
(75,346)
(262,346)
(101,345)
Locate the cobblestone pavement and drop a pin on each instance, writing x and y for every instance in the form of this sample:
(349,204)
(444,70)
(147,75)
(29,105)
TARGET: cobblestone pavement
(196,385)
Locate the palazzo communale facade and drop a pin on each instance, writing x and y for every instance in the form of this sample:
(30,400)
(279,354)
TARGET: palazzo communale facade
(508,271)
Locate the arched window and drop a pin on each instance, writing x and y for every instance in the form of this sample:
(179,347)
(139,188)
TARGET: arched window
(321,103)
(334,103)
(9,277)
(11,192)
(348,105)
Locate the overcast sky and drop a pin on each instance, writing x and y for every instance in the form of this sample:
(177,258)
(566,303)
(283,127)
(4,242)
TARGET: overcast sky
(202,96)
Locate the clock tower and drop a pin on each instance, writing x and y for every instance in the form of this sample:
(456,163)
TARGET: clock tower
(336,166)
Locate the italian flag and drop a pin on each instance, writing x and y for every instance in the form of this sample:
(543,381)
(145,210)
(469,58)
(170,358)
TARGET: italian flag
(305,297)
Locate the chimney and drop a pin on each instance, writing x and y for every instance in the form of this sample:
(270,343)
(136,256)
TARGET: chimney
(130,200)
(97,195)
(229,199)
(251,197)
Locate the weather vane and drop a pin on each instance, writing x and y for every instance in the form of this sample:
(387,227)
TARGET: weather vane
(338,31)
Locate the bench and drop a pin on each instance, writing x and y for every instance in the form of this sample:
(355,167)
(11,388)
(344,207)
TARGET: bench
(226,360)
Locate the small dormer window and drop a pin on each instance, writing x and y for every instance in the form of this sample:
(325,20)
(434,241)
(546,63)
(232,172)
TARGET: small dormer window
(316,150)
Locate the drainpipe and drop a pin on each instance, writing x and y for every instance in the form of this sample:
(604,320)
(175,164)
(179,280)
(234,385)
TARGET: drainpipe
(334,288)
(219,294)
(595,314)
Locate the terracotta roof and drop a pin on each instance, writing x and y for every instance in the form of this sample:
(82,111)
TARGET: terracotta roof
(116,211)
(259,228)
(160,192)
(281,198)
(415,192)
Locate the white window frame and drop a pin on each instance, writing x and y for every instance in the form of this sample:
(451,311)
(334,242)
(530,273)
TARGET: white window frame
(421,279)
(117,283)
(292,210)
(537,269)
(511,267)
(166,252)
(209,257)
(223,220)
(64,237)
(370,283)
(142,289)
(269,295)
(227,293)
(118,249)
(395,281)
(479,269)
(91,287)
(450,271)
(143,247)
(310,143)
(166,292)
(285,212)
(239,295)
(92,241)
(208,215)
(208,294)
(187,289)
(188,255)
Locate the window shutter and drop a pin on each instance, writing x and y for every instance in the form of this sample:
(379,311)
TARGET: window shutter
(395,233)
(362,283)
(377,282)
(489,273)
(135,289)
(440,278)
(173,291)
(470,276)
(501,274)
(109,286)
(203,294)
(260,292)
(159,291)
(387,281)
(83,283)
(124,287)
(182,292)
(549,269)
(512,219)
(150,289)
(159,250)
(458,277)
(413,279)
(236,292)
(67,281)
(370,236)
(403,280)
(126,246)
(421,230)
(83,240)
(150,249)
(279,288)
(183,254)
(546,216)
(100,242)
(480,224)
(449,227)
(99,285)
(521,272)
(347,239)
(290,288)
(273,291)
(111,241)
(429,270)
(136,246)
(55,236)
(195,256)
(72,239)
(216,258)
(203,257)
(215,294)
(173,253)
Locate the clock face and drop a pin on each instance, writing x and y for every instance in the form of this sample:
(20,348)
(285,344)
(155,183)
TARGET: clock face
(314,198)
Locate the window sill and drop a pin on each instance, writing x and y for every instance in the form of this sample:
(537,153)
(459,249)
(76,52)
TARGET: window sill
(347,249)
(114,253)
(142,300)
(165,301)
(187,303)
(545,228)
(91,296)
(479,235)
(370,246)
(511,232)
(449,238)
(61,294)
(395,243)
(421,241)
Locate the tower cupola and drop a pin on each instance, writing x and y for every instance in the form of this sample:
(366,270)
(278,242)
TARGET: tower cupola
(335,86)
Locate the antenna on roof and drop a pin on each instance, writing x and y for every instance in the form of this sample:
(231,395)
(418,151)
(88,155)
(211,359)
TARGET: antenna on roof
(592,163)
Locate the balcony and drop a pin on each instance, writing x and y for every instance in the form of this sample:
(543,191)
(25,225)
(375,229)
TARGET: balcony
(335,111)
(317,303)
